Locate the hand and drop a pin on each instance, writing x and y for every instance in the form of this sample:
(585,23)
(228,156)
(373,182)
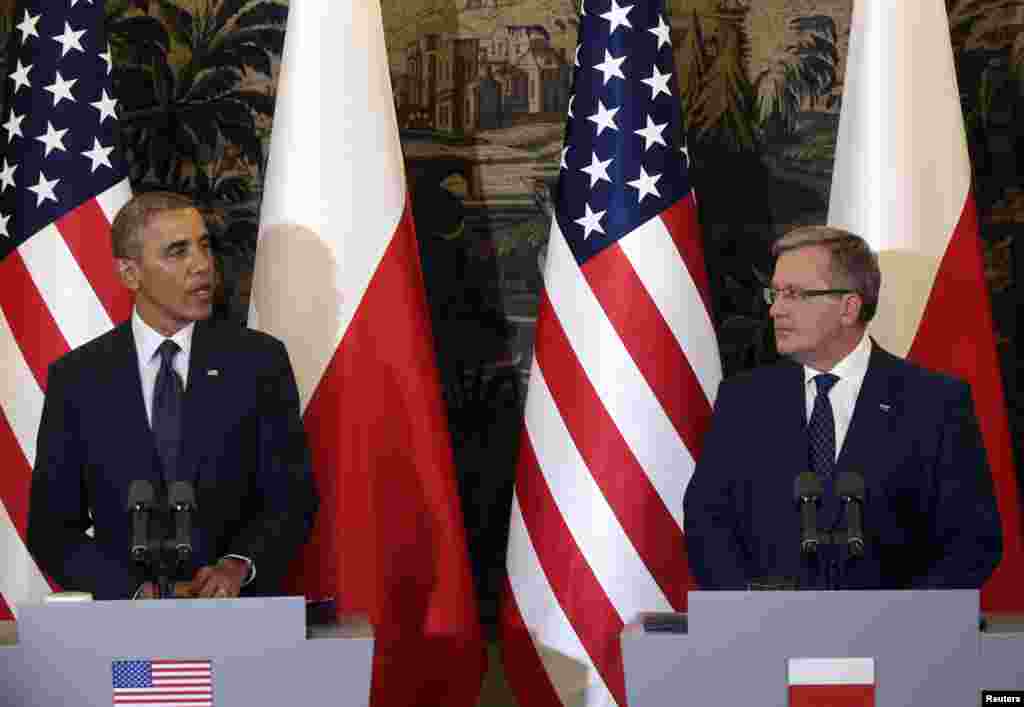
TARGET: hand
(182,590)
(223,580)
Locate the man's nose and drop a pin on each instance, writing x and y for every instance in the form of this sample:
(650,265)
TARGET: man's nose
(201,260)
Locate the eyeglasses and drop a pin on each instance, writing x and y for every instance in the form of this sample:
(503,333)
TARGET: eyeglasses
(797,294)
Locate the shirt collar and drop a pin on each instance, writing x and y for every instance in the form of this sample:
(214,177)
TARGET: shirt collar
(853,366)
(148,339)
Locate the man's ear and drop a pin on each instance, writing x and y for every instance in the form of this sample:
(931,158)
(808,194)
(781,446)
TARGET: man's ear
(852,305)
(128,272)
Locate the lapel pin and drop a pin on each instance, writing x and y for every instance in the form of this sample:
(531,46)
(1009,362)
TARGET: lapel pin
(213,372)
(884,407)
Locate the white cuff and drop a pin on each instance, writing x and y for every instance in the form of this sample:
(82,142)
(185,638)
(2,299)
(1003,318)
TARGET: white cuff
(251,575)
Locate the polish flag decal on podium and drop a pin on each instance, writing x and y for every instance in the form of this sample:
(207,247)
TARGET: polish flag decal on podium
(831,682)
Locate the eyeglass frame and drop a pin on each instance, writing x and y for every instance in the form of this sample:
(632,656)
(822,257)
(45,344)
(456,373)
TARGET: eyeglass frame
(797,294)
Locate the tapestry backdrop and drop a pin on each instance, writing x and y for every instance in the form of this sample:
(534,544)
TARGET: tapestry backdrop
(481,89)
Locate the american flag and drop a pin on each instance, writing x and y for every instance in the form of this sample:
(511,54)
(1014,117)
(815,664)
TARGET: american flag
(62,180)
(163,683)
(626,368)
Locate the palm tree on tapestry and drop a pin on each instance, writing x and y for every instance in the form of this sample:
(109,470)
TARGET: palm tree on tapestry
(805,74)
(717,93)
(182,81)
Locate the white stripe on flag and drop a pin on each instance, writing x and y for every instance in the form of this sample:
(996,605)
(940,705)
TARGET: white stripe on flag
(21,582)
(111,201)
(623,390)
(553,636)
(67,292)
(666,278)
(891,184)
(323,230)
(623,576)
(831,671)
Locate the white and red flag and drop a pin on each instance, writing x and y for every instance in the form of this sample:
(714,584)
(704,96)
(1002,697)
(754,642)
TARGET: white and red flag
(625,371)
(62,181)
(831,682)
(902,180)
(338,279)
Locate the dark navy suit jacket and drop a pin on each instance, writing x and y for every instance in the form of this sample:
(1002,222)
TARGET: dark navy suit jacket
(244,450)
(930,516)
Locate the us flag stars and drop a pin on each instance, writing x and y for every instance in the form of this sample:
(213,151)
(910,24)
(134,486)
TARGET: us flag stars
(61,122)
(621,163)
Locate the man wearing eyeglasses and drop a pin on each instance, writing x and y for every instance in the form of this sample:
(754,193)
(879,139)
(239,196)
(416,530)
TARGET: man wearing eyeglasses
(840,404)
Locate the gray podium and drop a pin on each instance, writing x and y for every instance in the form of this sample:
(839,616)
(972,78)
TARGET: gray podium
(927,647)
(259,649)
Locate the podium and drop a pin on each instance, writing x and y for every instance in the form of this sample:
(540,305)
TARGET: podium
(733,648)
(259,651)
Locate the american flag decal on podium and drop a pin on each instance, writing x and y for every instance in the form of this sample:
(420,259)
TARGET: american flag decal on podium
(163,683)
(625,371)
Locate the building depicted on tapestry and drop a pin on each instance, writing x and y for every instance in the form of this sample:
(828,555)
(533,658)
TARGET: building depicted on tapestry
(458,82)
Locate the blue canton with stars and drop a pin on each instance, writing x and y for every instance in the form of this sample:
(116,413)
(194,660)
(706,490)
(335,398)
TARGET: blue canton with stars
(59,126)
(622,163)
(132,673)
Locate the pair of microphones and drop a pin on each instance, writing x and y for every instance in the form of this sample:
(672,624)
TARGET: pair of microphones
(808,491)
(154,546)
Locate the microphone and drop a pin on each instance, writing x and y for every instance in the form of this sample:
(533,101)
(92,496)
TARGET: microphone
(807,490)
(140,505)
(181,501)
(850,489)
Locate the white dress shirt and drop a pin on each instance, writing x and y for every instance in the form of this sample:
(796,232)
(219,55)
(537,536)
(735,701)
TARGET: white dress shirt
(843,396)
(147,341)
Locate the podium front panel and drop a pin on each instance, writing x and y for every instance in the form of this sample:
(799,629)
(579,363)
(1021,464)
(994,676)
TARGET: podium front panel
(925,645)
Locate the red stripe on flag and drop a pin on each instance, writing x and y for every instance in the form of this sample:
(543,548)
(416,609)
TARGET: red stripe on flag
(34,328)
(650,343)
(528,679)
(831,695)
(967,351)
(681,221)
(15,477)
(595,620)
(389,537)
(87,233)
(657,537)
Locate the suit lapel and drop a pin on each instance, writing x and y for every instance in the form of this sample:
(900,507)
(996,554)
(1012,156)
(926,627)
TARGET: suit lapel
(201,395)
(869,426)
(791,419)
(125,391)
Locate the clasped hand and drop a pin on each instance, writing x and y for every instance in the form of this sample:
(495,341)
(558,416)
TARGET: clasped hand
(220,581)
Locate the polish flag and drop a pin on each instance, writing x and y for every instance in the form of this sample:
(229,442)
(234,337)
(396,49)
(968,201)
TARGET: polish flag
(902,180)
(338,279)
(831,682)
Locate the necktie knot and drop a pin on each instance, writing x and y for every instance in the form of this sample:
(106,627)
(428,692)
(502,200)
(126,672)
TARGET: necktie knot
(825,381)
(168,350)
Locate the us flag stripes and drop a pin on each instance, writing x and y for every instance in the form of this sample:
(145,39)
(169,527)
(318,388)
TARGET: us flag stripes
(163,683)
(62,180)
(625,371)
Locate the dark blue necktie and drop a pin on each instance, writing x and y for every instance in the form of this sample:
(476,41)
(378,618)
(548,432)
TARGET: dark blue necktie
(821,429)
(168,394)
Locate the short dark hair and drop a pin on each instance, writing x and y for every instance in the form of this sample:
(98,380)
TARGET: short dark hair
(854,265)
(136,215)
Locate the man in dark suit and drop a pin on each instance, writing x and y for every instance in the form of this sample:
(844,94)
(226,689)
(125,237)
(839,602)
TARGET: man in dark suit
(840,403)
(163,397)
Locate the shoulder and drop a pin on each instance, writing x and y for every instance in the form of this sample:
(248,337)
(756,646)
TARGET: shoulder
(240,341)
(916,380)
(761,380)
(96,352)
